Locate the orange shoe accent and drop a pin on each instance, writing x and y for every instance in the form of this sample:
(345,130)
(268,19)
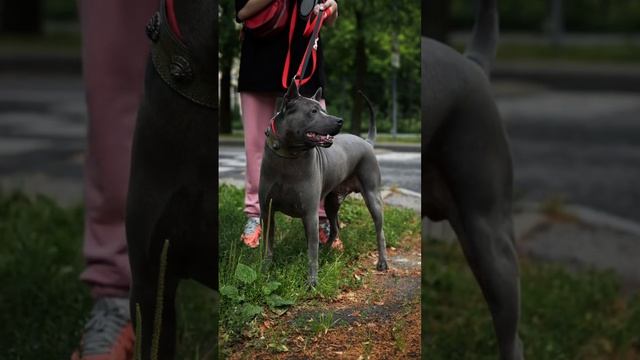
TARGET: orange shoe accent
(122,348)
(323,235)
(251,234)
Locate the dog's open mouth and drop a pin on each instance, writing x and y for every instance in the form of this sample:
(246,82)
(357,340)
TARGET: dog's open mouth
(319,139)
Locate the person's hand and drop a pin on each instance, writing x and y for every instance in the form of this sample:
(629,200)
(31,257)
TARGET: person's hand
(333,5)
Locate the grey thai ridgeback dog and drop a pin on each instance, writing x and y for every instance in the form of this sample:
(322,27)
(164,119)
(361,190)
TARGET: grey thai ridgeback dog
(172,204)
(306,161)
(467,171)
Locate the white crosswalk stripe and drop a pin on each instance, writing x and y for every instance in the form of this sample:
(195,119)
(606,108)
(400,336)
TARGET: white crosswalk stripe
(231,161)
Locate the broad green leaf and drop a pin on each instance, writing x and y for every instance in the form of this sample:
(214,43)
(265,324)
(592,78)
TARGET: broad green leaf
(245,274)
(270,287)
(249,311)
(230,291)
(275,301)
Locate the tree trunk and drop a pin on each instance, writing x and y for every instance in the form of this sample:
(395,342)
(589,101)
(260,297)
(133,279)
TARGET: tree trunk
(361,72)
(435,19)
(225,99)
(21,16)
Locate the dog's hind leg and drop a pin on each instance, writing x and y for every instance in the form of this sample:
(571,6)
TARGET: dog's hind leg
(488,247)
(478,170)
(373,200)
(369,185)
(331,208)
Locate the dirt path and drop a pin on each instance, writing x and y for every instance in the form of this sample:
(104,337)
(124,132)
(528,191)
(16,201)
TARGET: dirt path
(380,320)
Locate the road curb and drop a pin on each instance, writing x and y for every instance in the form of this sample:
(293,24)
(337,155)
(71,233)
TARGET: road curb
(529,217)
(383,145)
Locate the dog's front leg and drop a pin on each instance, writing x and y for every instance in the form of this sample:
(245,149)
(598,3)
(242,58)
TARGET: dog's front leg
(310,222)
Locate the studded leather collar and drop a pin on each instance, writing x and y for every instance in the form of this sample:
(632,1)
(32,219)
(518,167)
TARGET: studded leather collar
(175,65)
(273,141)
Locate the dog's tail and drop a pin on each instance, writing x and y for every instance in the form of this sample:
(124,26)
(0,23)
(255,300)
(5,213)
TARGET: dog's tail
(484,39)
(371,137)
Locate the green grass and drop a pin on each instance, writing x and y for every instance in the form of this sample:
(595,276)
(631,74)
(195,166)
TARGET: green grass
(43,305)
(254,293)
(587,54)
(577,53)
(564,315)
(66,43)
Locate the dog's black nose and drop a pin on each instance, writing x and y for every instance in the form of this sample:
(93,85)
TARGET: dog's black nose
(339,121)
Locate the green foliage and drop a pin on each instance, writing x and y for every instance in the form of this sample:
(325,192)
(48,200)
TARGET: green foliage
(380,18)
(61,10)
(565,315)
(228,32)
(580,15)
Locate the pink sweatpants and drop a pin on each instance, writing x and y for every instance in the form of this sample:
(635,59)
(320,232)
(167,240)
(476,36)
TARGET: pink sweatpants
(257,110)
(114,54)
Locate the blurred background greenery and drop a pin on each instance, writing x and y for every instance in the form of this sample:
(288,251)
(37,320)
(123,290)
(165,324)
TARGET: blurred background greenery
(358,55)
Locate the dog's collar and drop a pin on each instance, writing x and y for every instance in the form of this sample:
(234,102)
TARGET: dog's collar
(175,64)
(273,141)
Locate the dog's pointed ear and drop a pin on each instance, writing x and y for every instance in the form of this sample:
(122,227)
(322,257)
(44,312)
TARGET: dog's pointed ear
(292,91)
(318,95)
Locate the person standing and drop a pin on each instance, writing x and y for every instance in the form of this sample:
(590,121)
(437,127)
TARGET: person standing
(260,84)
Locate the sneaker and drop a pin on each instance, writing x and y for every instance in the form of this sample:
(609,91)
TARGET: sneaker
(108,334)
(324,230)
(251,234)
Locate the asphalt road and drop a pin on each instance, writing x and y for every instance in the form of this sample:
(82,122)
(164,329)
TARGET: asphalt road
(398,169)
(582,147)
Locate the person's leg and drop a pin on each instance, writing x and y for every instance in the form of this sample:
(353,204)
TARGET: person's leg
(257,110)
(114,54)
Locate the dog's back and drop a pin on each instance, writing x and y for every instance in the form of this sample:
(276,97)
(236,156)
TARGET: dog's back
(449,76)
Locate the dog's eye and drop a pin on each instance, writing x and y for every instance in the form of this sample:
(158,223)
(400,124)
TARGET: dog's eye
(314,111)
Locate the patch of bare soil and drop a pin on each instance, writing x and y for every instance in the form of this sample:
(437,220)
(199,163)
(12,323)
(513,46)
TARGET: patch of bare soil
(380,320)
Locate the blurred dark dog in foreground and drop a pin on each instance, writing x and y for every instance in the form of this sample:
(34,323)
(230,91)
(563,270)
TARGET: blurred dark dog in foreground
(172,204)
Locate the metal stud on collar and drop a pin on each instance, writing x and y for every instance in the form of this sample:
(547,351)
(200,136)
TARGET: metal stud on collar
(153,27)
(180,69)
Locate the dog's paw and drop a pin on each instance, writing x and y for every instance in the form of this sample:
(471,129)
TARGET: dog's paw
(382,266)
(313,282)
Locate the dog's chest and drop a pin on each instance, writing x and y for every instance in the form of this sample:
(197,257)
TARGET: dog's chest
(292,199)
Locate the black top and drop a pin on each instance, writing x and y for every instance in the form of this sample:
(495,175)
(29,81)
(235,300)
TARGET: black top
(262,58)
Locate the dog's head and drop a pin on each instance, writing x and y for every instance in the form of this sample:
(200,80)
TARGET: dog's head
(302,123)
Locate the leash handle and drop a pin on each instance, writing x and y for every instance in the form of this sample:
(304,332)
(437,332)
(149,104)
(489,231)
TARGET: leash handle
(312,28)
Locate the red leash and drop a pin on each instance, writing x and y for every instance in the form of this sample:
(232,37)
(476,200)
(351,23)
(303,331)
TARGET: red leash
(312,29)
(173,21)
